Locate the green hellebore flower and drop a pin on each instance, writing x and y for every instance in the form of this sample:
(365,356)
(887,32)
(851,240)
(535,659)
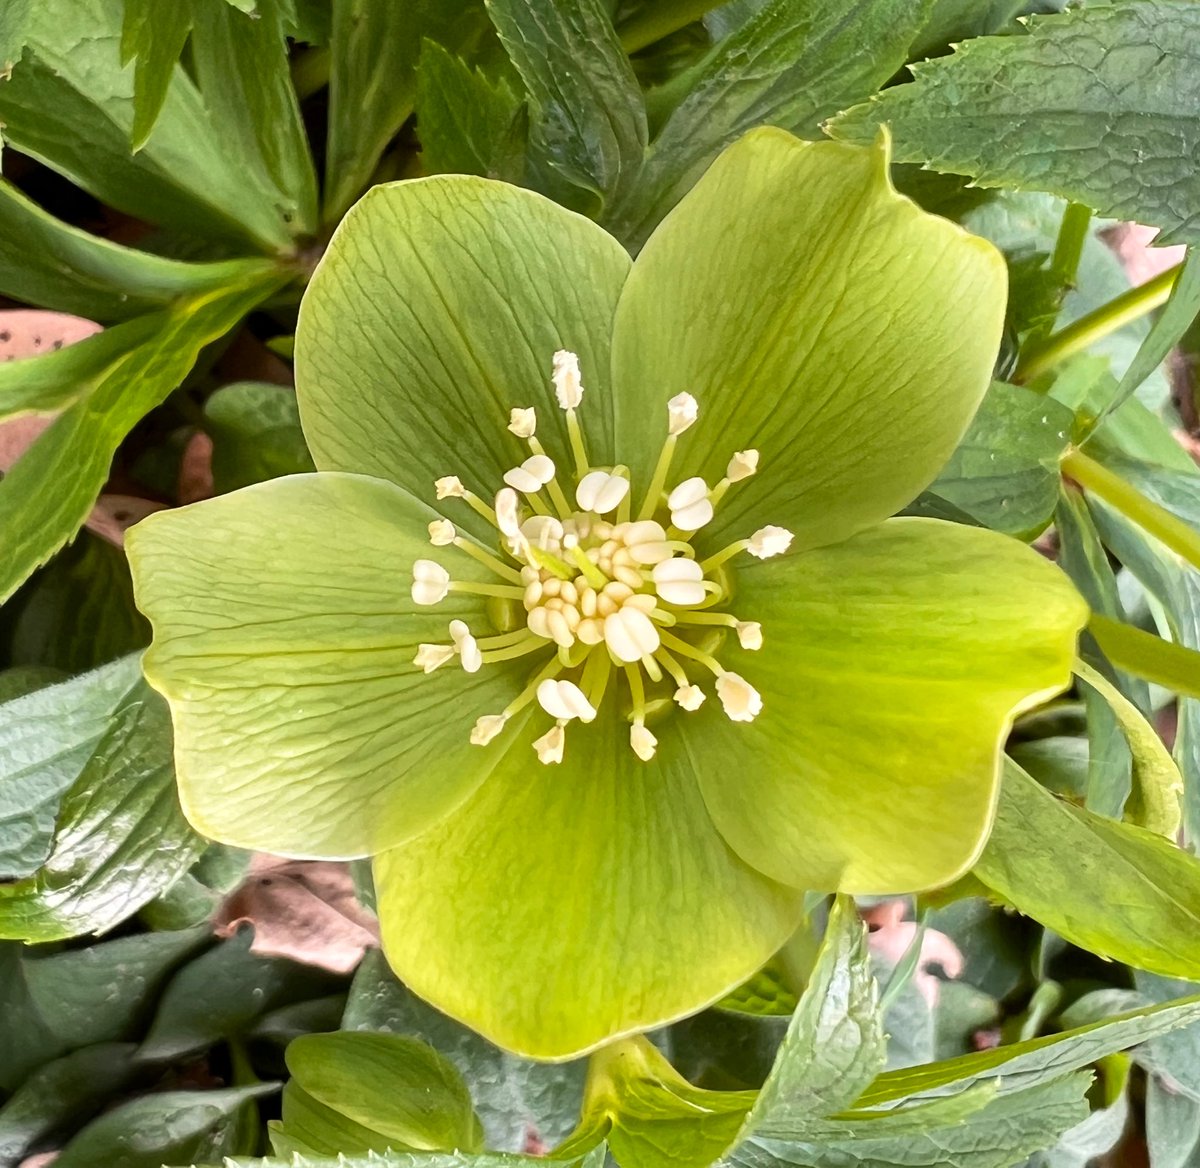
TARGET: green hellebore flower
(790,360)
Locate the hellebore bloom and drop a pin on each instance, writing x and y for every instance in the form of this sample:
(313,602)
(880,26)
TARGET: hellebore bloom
(593,628)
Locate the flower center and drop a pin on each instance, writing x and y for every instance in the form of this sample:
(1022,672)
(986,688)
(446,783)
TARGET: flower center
(605,594)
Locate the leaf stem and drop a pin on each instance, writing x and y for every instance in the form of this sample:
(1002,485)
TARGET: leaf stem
(1173,666)
(1097,324)
(1181,538)
(1068,247)
(657,20)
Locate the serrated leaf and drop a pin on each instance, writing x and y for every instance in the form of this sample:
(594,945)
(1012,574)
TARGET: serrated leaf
(588,118)
(1096,106)
(594,1159)
(1005,471)
(74,454)
(1055,862)
(790,65)
(120,836)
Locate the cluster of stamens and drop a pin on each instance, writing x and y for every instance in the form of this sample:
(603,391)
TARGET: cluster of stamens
(610,593)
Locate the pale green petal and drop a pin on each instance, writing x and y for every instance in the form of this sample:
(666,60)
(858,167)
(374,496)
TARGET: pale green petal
(891,668)
(562,905)
(818,317)
(284,634)
(438,308)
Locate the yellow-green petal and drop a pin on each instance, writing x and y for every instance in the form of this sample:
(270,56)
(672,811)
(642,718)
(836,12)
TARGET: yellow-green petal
(818,317)
(891,669)
(561,906)
(284,637)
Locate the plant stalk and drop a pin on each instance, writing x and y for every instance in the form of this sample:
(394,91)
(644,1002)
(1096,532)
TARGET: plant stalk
(656,21)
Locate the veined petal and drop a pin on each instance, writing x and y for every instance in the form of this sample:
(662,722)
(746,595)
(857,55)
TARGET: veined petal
(891,669)
(435,311)
(284,640)
(563,905)
(819,318)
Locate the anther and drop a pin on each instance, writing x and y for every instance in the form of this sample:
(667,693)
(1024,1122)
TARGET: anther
(429,657)
(449,487)
(601,491)
(441,533)
(523,422)
(466,646)
(508,518)
(431,582)
(739,699)
(549,747)
(642,741)
(742,465)
(679,581)
(689,697)
(769,541)
(690,505)
(487,727)
(630,634)
(568,387)
(564,700)
(749,634)
(682,411)
(532,475)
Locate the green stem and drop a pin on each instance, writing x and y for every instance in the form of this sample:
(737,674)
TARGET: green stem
(1157,521)
(1068,247)
(1096,325)
(658,20)
(1175,667)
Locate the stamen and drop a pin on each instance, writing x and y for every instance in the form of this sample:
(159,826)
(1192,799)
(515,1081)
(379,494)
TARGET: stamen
(550,746)
(739,699)
(643,742)
(689,697)
(471,588)
(508,512)
(532,475)
(689,504)
(523,422)
(564,700)
(769,541)
(742,465)
(487,559)
(568,387)
(672,667)
(429,657)
(466,646)
(646,542)
(596,578)
(529,643)
(651,667)
(431,582)
(487,727)
(451,487)
(726,553)
(441,533)
(682,411)
(601,491)
(595,677)
(684,649)
(679,581)
(749,635)
(630,634)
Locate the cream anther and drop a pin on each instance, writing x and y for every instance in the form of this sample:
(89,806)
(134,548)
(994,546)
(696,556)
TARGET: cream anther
(682,411)
(749,634)
(543,531)
(449,487)
(431,582)
(532,475)
(769,541)
(689,697)
(564,700)
(630,634)
(567,386)
(646,541)
(523,423)
(549,747)
(441,533)
(486,728)
(508,512)
(601,491)
(466,646)
(680,581)
(429,657)
(690,505)
(742,465)
(644,743)
(739,699)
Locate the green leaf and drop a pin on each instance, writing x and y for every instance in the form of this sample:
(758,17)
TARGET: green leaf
(153,35)
(221,993)
(464,119)
(341,550)
(693,920)
(594,1159)
(75,452)
(240,62)
(795,265)
(61,1092)
(46,262)
(392,351)
(52,1004)
(835,1045)
(979,1128)
(256,435)
(1154,802)
(652,1116)
(69,103)
(170,1127)
(928,614)
(1165,663)
(790,65)
(510,1093)
(1094,105)
(1055,862)
(120,837)
(78,613)
(399,1088)
(46,740)
(1004,472)
(374,47)
(951,21)
(588,119)
(1172,1124)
